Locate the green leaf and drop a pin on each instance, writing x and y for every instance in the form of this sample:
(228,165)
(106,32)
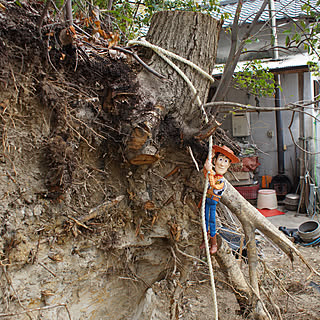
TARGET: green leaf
(287,31)
(287,41)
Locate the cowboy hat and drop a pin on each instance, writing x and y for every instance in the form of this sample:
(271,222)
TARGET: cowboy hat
(227,152)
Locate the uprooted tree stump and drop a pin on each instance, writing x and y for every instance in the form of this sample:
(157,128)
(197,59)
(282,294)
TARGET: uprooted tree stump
(192,36)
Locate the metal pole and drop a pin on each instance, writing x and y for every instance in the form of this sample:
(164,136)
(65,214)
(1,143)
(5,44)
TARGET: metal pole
(274,37)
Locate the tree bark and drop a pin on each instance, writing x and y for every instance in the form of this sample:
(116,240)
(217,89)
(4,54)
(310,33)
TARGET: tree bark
(193,36)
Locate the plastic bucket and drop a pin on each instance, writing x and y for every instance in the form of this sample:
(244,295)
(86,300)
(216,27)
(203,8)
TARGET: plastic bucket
(309,231)
(267,199)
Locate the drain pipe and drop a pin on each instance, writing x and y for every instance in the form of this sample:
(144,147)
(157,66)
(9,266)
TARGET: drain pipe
(275,53)
(316,186)
(316,149)
(279,127)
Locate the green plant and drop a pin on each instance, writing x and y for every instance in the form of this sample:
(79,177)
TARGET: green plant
(256,79)
(132,18)
(305,33)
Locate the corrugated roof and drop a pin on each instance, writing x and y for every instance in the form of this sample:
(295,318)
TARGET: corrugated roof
(290,62)
(283,8)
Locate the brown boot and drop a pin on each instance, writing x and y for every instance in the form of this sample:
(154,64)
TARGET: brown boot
(203,244)
(213,244)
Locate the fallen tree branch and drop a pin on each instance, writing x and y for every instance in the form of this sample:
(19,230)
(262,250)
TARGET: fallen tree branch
(249,215)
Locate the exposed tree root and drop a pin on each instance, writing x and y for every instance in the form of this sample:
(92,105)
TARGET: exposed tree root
(251,220)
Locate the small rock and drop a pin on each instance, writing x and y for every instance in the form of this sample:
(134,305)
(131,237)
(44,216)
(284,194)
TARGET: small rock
(37,210)
(28,198)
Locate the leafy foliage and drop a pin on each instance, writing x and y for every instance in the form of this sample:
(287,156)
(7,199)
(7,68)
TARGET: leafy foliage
(256,79)
(132,18)
(305,33)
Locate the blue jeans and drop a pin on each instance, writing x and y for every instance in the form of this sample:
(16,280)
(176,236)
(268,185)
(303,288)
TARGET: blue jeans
(210,215)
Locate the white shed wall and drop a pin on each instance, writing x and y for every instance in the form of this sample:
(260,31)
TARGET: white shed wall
(265,122)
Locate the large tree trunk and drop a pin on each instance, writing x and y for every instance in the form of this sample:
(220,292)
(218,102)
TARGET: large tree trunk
(193,36)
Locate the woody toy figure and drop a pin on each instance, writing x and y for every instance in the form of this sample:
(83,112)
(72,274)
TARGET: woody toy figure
(223,157)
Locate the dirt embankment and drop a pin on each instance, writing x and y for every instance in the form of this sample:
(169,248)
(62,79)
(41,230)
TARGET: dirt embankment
(76,240)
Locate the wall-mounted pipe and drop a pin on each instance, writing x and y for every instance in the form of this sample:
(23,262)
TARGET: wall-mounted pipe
(275,54)
(279,127)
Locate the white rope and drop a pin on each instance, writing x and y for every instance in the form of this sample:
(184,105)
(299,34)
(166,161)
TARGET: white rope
(163,54)
(185,78)
(193,159)
(170,54)
(204,230)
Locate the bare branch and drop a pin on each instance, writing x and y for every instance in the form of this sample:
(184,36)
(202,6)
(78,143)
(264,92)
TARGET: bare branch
(235,53)
(140,61)
(68,13)
(294,107)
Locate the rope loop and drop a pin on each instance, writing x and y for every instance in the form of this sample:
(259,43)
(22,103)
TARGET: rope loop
(164,54)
